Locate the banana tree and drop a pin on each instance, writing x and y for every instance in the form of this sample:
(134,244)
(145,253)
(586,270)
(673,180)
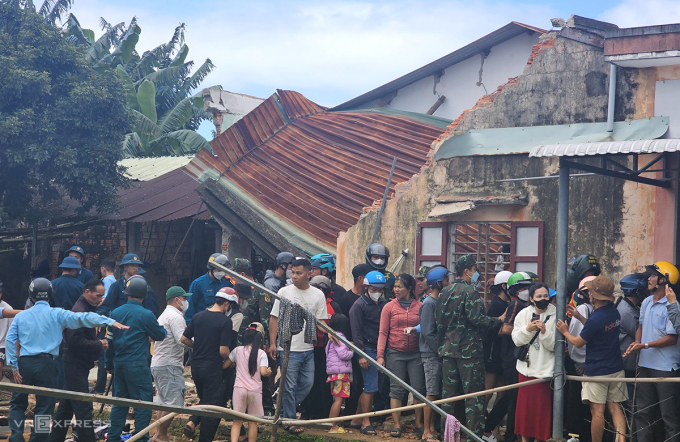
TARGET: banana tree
(158,137)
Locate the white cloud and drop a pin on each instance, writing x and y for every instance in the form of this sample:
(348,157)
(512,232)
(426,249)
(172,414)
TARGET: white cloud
(328,51)
(633,13)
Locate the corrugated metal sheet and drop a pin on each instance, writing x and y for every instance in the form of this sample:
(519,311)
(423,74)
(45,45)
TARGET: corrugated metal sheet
(165,198)
(510,140)
(145,169)
(511,30)
(612,147)
(317,173)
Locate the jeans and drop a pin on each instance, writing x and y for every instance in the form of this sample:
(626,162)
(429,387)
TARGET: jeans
(319,400)
(75,379)
(40,372)
(299,380)
(131,380)
(210,389)
(657,396)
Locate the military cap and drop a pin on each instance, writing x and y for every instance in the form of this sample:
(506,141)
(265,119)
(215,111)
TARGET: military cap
(242,265)
(465,262)
(422,271)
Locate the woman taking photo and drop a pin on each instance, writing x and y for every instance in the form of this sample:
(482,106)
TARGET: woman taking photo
(400,352)
(535,327)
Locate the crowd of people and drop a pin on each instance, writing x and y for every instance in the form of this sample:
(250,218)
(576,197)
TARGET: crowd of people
(433,330)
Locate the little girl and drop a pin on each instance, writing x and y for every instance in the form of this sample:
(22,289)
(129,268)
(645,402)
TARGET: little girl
(251,364)
(338,368)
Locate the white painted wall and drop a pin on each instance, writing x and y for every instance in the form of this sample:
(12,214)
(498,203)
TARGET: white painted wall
(458,84)
(666,99)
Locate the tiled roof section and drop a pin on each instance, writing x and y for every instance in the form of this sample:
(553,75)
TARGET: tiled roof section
(165,198)
(319,171)
(145,169)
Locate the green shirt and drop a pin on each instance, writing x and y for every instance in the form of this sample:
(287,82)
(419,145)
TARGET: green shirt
(461,319)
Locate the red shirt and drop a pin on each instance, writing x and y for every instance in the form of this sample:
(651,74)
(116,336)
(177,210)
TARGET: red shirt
(393,320)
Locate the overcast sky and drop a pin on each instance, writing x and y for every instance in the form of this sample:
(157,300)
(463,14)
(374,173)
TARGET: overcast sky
(332,51)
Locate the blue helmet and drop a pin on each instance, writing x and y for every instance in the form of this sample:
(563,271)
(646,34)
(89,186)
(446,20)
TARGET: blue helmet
(375,278)
(324,261)
(435,275)
(632,283)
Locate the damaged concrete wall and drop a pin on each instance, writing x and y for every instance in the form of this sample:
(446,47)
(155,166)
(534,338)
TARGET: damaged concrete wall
(564,82)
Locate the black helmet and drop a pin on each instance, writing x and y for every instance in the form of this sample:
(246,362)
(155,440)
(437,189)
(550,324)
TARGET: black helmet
(378,250)
(284,258)
(577,267)
(220,259)
(136,287)
(40,290)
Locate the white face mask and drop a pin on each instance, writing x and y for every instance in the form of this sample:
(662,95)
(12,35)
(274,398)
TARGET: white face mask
(219,275)
(185,305)
(523,295)
(378,262)
(289,274)
(243,304)
(374,296)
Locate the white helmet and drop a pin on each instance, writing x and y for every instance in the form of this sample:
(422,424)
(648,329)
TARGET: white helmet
(502,277)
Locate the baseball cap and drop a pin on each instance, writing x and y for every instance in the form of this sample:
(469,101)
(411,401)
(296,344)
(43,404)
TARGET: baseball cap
(175,292)
(256,326)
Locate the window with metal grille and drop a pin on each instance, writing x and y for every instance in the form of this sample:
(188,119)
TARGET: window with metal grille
(497,246)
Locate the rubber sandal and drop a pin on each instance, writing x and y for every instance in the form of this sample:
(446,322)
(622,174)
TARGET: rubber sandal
(396,432)
(189,432)
(419,430)
(294,430)
(369,431)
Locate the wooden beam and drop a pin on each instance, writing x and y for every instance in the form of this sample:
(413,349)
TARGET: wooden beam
(436,105)
(387,99)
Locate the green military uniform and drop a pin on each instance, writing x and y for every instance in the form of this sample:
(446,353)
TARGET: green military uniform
(461,318)
(422,273)
(259,307)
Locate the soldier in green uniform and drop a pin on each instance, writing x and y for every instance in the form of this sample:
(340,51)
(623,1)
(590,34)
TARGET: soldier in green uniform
(461,321)
(258,310)
(422,290)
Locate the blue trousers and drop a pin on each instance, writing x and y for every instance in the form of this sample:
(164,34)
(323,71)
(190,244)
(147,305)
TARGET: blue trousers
(299,380)
(41,372)
(131,380)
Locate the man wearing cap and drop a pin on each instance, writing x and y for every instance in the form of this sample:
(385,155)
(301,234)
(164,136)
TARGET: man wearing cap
(115,297)
(67,288)
(167,363)
(461,322)
(422,290)
(81,350)
(656,340)
(210,334)
(603,356)
(78,253)
(128,356)
(205,287)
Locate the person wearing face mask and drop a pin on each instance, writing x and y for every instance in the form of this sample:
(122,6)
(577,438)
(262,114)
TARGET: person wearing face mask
(205,287)
(378,256)
(533,416)
(656,339)
(167,367)
(275,279)
(518,285)
(461,322)
(364,318)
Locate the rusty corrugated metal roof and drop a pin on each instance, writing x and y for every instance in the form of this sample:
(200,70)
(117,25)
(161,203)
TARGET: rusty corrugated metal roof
(168,197)
(314,171)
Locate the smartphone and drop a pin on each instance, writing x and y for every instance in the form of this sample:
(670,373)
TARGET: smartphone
(535,317)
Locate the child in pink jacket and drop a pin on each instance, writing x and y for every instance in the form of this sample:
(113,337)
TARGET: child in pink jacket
(338,368)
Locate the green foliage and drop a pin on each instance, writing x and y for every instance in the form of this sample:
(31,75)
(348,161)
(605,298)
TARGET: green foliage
(61,124)
(158,86)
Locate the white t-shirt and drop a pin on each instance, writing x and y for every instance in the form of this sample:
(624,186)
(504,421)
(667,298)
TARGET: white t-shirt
(4,324)
(311,299)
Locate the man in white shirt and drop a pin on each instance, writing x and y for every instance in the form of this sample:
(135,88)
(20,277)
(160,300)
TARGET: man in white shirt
(4,326)
(167,363)
(300,375)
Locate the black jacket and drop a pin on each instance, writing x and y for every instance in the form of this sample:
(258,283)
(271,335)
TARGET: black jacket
(81,345)
(364,318)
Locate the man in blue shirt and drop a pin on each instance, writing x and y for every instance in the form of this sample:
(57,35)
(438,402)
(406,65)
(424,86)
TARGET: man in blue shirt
(77,252)
(115,297)
(128,357)
(108,269)
(656,340)
(204,288)
(39,332)
(603,357)
(66,288)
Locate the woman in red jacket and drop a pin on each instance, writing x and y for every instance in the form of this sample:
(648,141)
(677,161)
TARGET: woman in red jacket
(400,352)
